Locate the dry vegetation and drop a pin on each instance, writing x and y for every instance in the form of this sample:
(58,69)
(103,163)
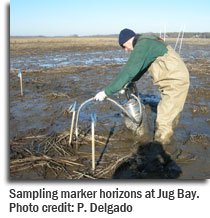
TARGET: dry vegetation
(192,41)
(32,46)
(50,157)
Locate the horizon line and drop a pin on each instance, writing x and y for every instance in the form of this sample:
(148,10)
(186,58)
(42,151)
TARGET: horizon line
(94,35)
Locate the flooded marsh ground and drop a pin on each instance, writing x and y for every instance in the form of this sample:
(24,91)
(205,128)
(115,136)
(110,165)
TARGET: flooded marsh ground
(58,71)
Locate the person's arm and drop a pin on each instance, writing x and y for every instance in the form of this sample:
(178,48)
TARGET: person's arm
(136,63)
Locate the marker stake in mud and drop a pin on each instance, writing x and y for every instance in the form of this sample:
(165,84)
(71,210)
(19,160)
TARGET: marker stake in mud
(93,124)
(178,38)
(21,82)
(164,33)
(72,109)
(181,39)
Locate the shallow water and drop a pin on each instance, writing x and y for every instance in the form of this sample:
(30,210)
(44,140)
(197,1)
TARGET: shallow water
(57,59)
(98,58)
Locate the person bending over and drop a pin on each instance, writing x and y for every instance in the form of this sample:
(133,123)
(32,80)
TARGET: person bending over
(168,71)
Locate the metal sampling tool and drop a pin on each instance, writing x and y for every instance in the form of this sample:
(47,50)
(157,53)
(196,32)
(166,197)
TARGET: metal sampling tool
(132,110)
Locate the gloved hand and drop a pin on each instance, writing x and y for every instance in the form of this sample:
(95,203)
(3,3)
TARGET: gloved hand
(100,96)
(122,91)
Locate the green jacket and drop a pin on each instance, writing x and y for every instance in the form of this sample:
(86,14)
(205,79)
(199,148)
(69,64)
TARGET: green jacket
(144,53)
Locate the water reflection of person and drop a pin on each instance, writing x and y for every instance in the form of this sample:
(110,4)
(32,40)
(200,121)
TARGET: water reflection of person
(169,73)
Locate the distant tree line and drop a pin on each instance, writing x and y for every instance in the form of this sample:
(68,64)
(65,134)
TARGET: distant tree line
(168,35)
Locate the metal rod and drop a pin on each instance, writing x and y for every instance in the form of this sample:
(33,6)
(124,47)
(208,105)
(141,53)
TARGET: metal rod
(122,108)
(93,99)
(78,112)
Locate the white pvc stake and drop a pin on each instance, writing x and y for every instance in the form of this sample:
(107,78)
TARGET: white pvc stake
(93,124)
(181,39)
(72,109)
(178,38)
(93,146)
(160,34)
(76,133)
(71,130)
(164,33)
(21,82)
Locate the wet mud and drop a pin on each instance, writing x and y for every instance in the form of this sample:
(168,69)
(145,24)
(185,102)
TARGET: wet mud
(39,121)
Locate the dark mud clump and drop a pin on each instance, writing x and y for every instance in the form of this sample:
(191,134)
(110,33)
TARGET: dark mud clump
(149,162)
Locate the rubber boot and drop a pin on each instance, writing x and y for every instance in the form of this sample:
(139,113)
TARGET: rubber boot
(164,137)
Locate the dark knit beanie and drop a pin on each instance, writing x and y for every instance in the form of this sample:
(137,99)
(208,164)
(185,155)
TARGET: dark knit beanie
(125,35)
